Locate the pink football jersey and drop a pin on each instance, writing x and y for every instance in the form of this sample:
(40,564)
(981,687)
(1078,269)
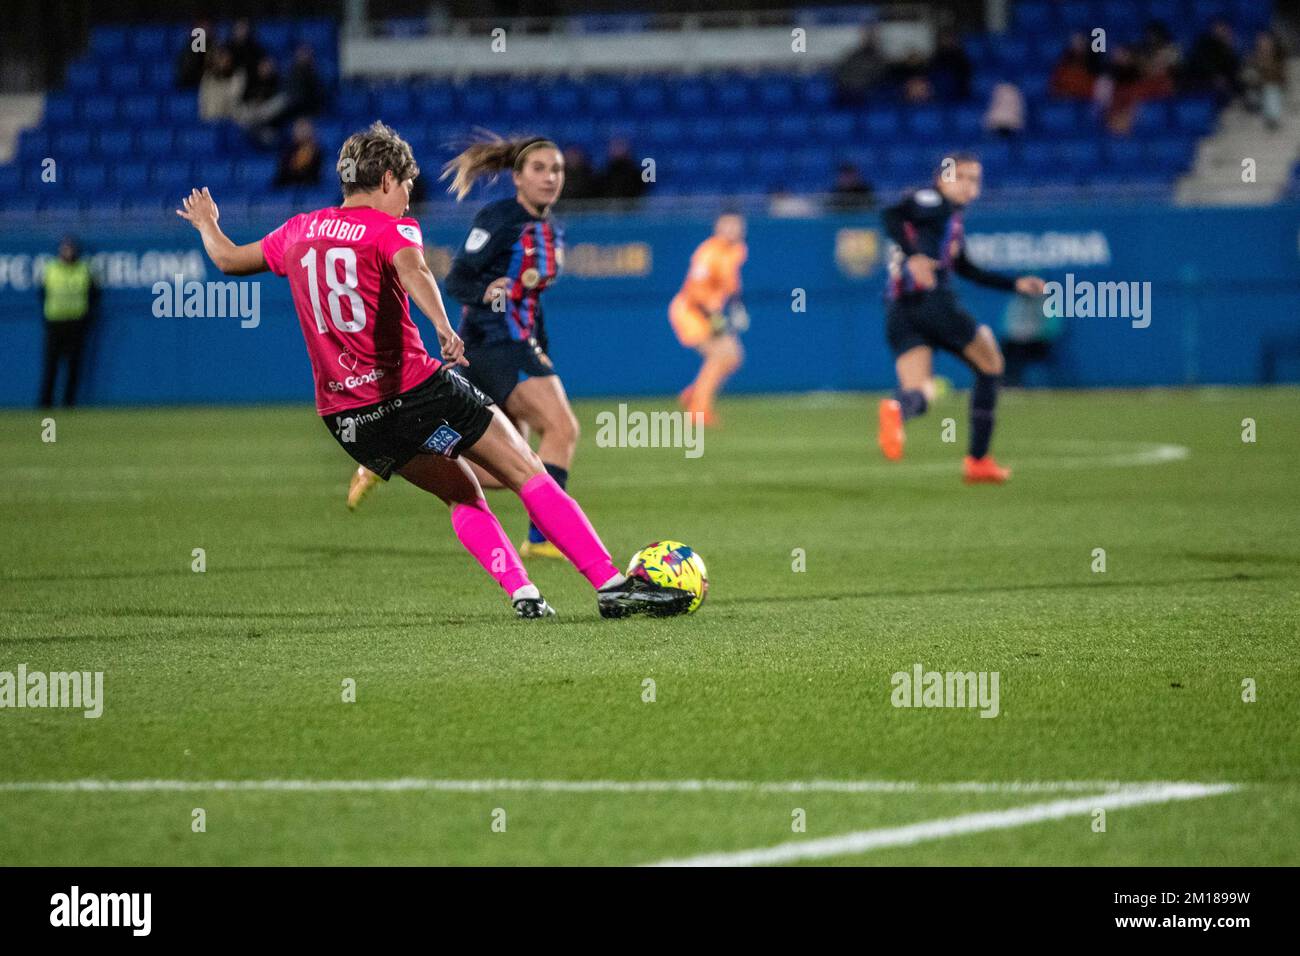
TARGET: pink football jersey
(355,315)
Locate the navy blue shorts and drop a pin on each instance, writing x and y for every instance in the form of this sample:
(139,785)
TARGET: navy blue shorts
(497,368)
(933,318)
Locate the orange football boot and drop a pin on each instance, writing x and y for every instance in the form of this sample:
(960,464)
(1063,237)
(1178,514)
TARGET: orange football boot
(984,470)
(363,479)
(890,435)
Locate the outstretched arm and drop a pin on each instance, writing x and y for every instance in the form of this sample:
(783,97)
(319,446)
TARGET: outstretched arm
(1025,285)
(201,212)
(413,272)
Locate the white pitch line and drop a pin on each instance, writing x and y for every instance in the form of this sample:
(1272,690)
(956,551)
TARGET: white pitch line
(864,841)
(589,786)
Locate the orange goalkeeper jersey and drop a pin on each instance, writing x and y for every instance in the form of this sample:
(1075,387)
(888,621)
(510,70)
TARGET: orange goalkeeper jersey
(714,276)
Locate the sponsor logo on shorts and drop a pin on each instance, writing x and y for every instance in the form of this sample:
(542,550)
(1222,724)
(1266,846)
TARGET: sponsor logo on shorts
(443,441)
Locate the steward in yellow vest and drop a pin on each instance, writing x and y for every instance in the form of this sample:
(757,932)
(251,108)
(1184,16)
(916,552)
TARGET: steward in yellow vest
(68,296)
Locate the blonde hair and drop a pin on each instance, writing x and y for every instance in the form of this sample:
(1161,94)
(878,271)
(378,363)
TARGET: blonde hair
(489,156)
(367,155)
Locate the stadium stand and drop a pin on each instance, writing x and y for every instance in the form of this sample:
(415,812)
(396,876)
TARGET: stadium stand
(130,140)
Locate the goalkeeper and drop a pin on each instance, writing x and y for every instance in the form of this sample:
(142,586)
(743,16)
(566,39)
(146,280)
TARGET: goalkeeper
(707,313)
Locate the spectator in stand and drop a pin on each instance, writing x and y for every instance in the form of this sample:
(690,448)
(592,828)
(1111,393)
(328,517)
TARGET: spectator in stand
(950,69)
(622,177)
(1123,92)
(1263,77)
(190,62)
(1075,72)
(301,159)
(1213,66)
(1006,113)
(305,92)
(222,89)
(1158,58)
(264,104)
(245,51)
(580,180)
(913,78)
(851,191)
(862,70)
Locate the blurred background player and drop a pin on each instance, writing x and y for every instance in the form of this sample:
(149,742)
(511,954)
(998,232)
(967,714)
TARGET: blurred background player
(68,297)
(513,252)
(407,412)
(707,313)
(924,314)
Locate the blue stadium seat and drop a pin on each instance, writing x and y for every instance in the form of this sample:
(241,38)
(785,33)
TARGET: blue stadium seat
(70,144)
(1169,153)
(174,175)
(88,177)
(99,110)
(703,131)
(143,108)
(1125,154)
(690,97)
(60,110)
(1194,115)
(155,140)
(179,108)
(747,129)
(966,122)
(1081,156)
(768,164)
(276,36)
(393,103)
(793,128)
(1012,53)
(579,129)
(124,77)
(731,94)
(603,99)
(1034,86)
(353,102)
(198,141)
(1123,17)
(108,42)
(254,173)
(834,126)
(11,181)
(1056,118)
(115,143)
(149,42)
(883,123)
(1032,17)
(1203,11)
(84,76)
(997,155)
(1078,15)
(666,131)
(817,91)
(159,77)
(1151,118)
(562,99)
(34,144)
(648,97)
(776,93)
(1038,155)
(130,175)
(926,122)
(727,164)
(60,204)
(320,35)
(213,173)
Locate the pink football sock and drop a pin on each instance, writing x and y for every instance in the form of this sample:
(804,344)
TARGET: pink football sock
(559,518)
(482,535)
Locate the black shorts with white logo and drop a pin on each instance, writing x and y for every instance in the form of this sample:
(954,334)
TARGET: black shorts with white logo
(443,415)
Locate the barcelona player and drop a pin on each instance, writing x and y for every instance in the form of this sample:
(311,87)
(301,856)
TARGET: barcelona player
(924,314)
(707,314)
(395,408)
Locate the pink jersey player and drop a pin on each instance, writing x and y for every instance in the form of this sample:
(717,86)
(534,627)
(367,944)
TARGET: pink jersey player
(355,316)
(390,405)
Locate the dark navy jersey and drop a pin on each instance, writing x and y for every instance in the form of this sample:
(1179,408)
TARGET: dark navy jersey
(927,223)
(506,240)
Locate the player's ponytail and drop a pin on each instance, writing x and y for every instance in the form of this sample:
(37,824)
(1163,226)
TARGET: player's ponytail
(488,157)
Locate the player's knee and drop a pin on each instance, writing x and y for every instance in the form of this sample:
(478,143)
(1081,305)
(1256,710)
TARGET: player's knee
(994,364)
(928,390)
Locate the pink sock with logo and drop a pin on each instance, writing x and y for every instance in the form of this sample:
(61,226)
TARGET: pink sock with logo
(559,518)
(482,535)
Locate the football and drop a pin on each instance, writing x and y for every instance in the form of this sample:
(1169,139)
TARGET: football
(672,564)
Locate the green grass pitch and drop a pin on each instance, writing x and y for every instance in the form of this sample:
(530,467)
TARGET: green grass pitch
(1130,675)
